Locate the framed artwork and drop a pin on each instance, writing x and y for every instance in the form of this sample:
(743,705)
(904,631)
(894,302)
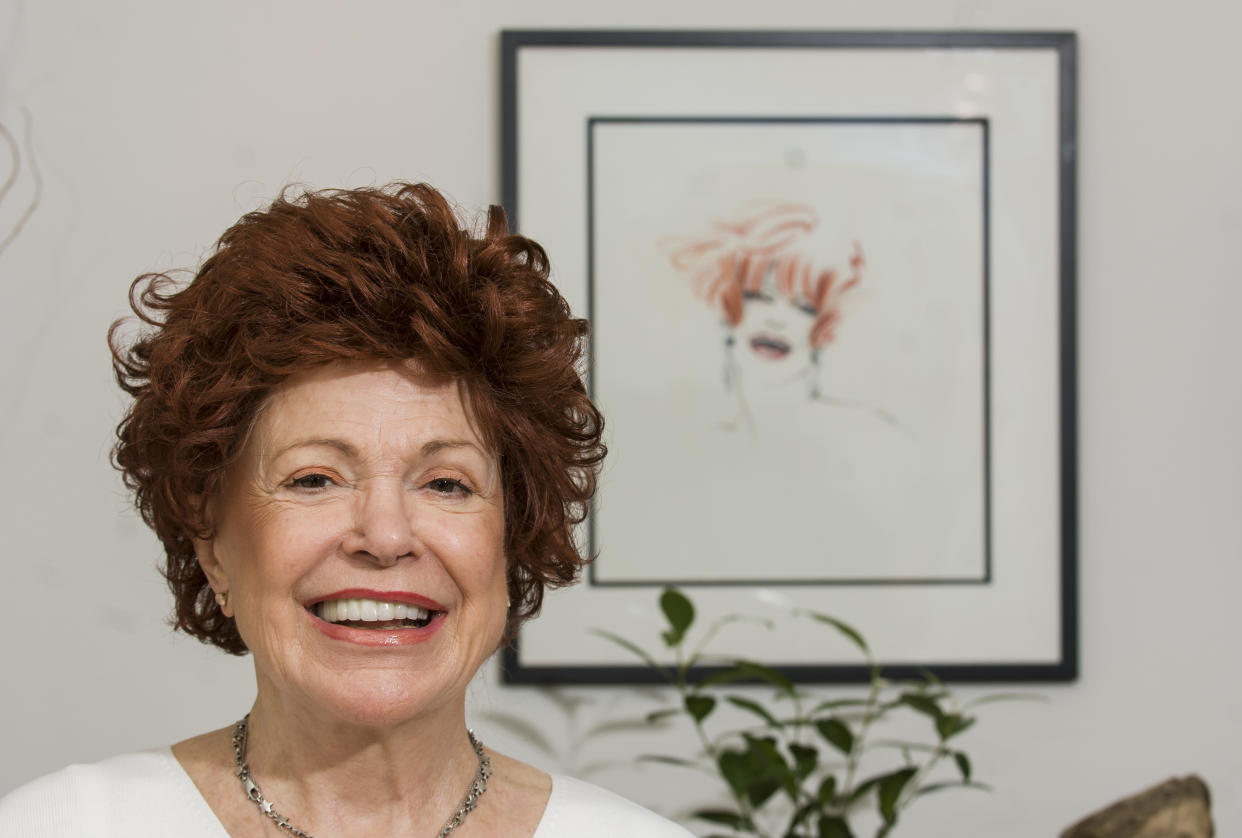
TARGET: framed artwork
(830,280)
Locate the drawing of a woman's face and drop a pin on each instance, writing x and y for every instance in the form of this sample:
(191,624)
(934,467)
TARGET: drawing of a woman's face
(771,342)
(779,301)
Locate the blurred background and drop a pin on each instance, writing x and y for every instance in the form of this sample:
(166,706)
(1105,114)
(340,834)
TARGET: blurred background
(154,126)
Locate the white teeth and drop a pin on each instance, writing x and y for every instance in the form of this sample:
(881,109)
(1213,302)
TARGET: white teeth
(369,610)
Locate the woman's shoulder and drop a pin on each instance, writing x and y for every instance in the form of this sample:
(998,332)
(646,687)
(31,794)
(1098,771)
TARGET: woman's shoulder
(135,795)
(579,809)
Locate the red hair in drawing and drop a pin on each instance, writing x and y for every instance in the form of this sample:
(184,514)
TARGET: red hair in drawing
(755,255)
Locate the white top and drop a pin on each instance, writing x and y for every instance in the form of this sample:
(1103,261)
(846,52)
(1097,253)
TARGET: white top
(149,795)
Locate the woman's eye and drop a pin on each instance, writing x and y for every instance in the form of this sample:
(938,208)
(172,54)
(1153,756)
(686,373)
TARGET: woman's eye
(312,481)
(448,486)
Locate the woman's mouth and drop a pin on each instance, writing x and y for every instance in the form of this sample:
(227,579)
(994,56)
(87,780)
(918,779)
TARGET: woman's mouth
(373,614)
(770,347)
(377,618)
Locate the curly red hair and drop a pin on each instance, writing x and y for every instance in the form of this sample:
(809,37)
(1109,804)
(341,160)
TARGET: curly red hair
(338,275)
(757,250)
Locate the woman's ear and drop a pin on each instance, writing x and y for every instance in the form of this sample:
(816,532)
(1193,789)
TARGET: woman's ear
(208,559)
(217,577)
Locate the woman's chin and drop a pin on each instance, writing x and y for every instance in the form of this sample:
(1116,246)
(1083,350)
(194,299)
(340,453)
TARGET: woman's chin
(378,707)
(374,698)
(787,374)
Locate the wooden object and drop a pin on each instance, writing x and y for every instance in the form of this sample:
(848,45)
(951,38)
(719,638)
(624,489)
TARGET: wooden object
(1177,808)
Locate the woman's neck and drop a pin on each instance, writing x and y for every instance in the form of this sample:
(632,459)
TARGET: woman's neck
(333,777)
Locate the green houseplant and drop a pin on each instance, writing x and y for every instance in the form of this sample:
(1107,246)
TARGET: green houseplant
(800,768)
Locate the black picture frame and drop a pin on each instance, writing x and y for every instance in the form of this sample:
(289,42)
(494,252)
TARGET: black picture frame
(519,665)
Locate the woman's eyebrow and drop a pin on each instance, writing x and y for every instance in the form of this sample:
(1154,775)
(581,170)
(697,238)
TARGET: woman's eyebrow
(437,445)
(319,442)
(428,448)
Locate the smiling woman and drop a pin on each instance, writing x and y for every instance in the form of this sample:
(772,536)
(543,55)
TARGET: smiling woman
(363,488)
(361,436)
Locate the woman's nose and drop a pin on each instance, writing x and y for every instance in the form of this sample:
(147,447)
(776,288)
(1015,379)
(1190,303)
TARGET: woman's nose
(383,530)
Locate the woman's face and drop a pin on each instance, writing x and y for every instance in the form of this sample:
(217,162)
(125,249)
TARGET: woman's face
(772,340)
(363,491)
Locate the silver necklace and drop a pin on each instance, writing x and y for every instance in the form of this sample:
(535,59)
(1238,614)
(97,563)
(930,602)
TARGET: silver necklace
(242,729)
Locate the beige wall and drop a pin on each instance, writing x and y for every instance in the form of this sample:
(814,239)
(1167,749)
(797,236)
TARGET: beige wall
(157,124)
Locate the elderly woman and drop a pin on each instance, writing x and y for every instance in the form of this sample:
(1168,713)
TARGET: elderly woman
(361,436)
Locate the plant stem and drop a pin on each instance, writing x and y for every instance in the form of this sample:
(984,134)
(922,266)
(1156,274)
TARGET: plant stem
(683,688)
(871,714)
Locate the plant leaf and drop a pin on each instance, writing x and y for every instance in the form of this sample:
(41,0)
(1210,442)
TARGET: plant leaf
(660,715)
(844,628)
(827,790)
(765,673)
(837,734)
(963,764)
(952,724)
(667,760)
(567,702)
(834,827)
(700,706)
(903,745)
(736,770)
(805,760)
(590,769)
(714,629)
(679,612)
(924,704)
(727,675)
(744,670)
(995,698)
(951,784)
(632,725)
(799,695)
(803,812)
(839,702)
(760,790)
(769,771)
(890,792)
(863,788)
(723,816)
(754,707)
(636,649)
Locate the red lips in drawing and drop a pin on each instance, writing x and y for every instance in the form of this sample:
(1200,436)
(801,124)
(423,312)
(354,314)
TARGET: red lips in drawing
(769,346)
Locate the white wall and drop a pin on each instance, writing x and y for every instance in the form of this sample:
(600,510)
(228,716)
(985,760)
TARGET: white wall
(157,124)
